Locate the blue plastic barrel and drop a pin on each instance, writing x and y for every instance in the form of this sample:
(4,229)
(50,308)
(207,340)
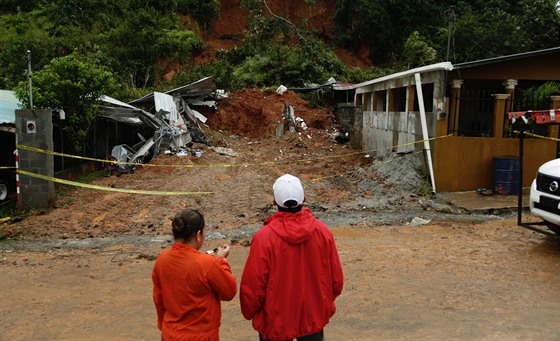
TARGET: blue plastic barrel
(506,175)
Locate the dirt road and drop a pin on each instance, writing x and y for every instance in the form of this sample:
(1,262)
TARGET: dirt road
(450,281)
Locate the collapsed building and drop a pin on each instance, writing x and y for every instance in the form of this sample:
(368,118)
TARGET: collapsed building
(159,122)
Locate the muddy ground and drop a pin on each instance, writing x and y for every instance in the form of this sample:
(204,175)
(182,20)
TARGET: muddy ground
(416,267)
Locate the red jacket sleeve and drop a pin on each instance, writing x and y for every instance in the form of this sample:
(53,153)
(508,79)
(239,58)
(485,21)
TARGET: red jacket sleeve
(222,281)
(336,269)
(254,280)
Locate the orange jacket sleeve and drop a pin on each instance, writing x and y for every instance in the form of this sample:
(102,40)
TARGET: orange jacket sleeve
(222,281)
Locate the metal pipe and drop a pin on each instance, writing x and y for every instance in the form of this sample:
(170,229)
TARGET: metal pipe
(520,158)
(425,135)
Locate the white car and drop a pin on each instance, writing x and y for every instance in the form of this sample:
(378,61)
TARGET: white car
(545,194)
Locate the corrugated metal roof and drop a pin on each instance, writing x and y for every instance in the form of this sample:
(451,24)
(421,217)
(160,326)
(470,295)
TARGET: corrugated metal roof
(8,105)
(201,87)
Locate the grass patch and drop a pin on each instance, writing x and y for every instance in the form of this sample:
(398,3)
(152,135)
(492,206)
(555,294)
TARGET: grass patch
(424,188)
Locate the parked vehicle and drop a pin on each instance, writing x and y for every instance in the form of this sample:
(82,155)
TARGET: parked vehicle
(7,184)
(545,194)
(7,166)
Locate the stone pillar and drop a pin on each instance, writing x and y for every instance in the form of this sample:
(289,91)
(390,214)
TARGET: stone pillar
(35,129)
(455,104)
(499,110)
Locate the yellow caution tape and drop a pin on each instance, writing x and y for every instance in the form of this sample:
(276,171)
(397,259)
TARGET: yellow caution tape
(110,189)
(538,136)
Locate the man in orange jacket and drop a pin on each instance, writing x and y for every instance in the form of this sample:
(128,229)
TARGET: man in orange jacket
(293,273)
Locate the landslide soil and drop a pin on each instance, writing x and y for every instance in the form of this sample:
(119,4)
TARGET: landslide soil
(416,268)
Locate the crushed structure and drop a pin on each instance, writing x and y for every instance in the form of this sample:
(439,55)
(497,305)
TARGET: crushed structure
(159,122)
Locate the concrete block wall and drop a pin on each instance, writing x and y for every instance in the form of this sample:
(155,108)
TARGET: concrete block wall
(350,118)
(35,192)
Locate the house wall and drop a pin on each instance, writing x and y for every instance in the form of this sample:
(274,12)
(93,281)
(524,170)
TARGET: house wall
(391,119)
(466,163)
(390,122)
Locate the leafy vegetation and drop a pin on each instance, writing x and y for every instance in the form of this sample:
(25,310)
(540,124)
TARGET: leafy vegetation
(74,85)
(538,97)
(476,29)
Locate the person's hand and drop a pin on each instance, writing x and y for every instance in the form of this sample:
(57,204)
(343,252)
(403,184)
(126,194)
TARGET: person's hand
(223,251)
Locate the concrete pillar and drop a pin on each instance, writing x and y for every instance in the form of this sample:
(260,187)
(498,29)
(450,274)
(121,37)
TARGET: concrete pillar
(499,110)
(553,129)
(390,104)
(411,96)
(510,85)
(35,129)
(456,104)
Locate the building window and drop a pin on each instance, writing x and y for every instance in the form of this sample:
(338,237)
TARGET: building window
(427,96)
(398,99)
(367,101)
(358,100)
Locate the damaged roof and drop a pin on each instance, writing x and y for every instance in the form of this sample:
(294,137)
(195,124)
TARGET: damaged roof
(195,90)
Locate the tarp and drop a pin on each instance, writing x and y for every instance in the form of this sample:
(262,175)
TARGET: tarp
(8,106)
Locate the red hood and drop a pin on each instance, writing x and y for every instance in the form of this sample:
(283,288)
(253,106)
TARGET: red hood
(294,228)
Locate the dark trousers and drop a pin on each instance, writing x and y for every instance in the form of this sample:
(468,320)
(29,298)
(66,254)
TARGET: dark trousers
(313,337)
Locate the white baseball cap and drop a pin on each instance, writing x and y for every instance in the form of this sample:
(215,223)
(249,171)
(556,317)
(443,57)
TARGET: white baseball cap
(288,187)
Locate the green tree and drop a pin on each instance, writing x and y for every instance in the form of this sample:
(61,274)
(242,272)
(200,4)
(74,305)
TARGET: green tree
(382,26)
(486,29)
(478,29)
(73,84)
(138,46)
(205,12)
(22,32)
(417,52)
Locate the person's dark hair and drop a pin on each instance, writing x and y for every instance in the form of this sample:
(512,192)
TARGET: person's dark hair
(291,206)
(187,223)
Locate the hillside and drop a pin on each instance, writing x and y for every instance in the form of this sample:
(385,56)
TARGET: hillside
(228,31)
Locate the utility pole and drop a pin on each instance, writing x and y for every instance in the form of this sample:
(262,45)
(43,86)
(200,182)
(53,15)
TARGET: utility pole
(30,81)
(450,20)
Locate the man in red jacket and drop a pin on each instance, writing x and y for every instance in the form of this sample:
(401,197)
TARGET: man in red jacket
(293,274)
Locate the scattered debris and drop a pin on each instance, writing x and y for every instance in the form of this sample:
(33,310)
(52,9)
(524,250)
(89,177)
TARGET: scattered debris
(281,89)
(417,221)
(224,151)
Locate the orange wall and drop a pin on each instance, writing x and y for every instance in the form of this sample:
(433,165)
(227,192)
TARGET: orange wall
(466,163)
